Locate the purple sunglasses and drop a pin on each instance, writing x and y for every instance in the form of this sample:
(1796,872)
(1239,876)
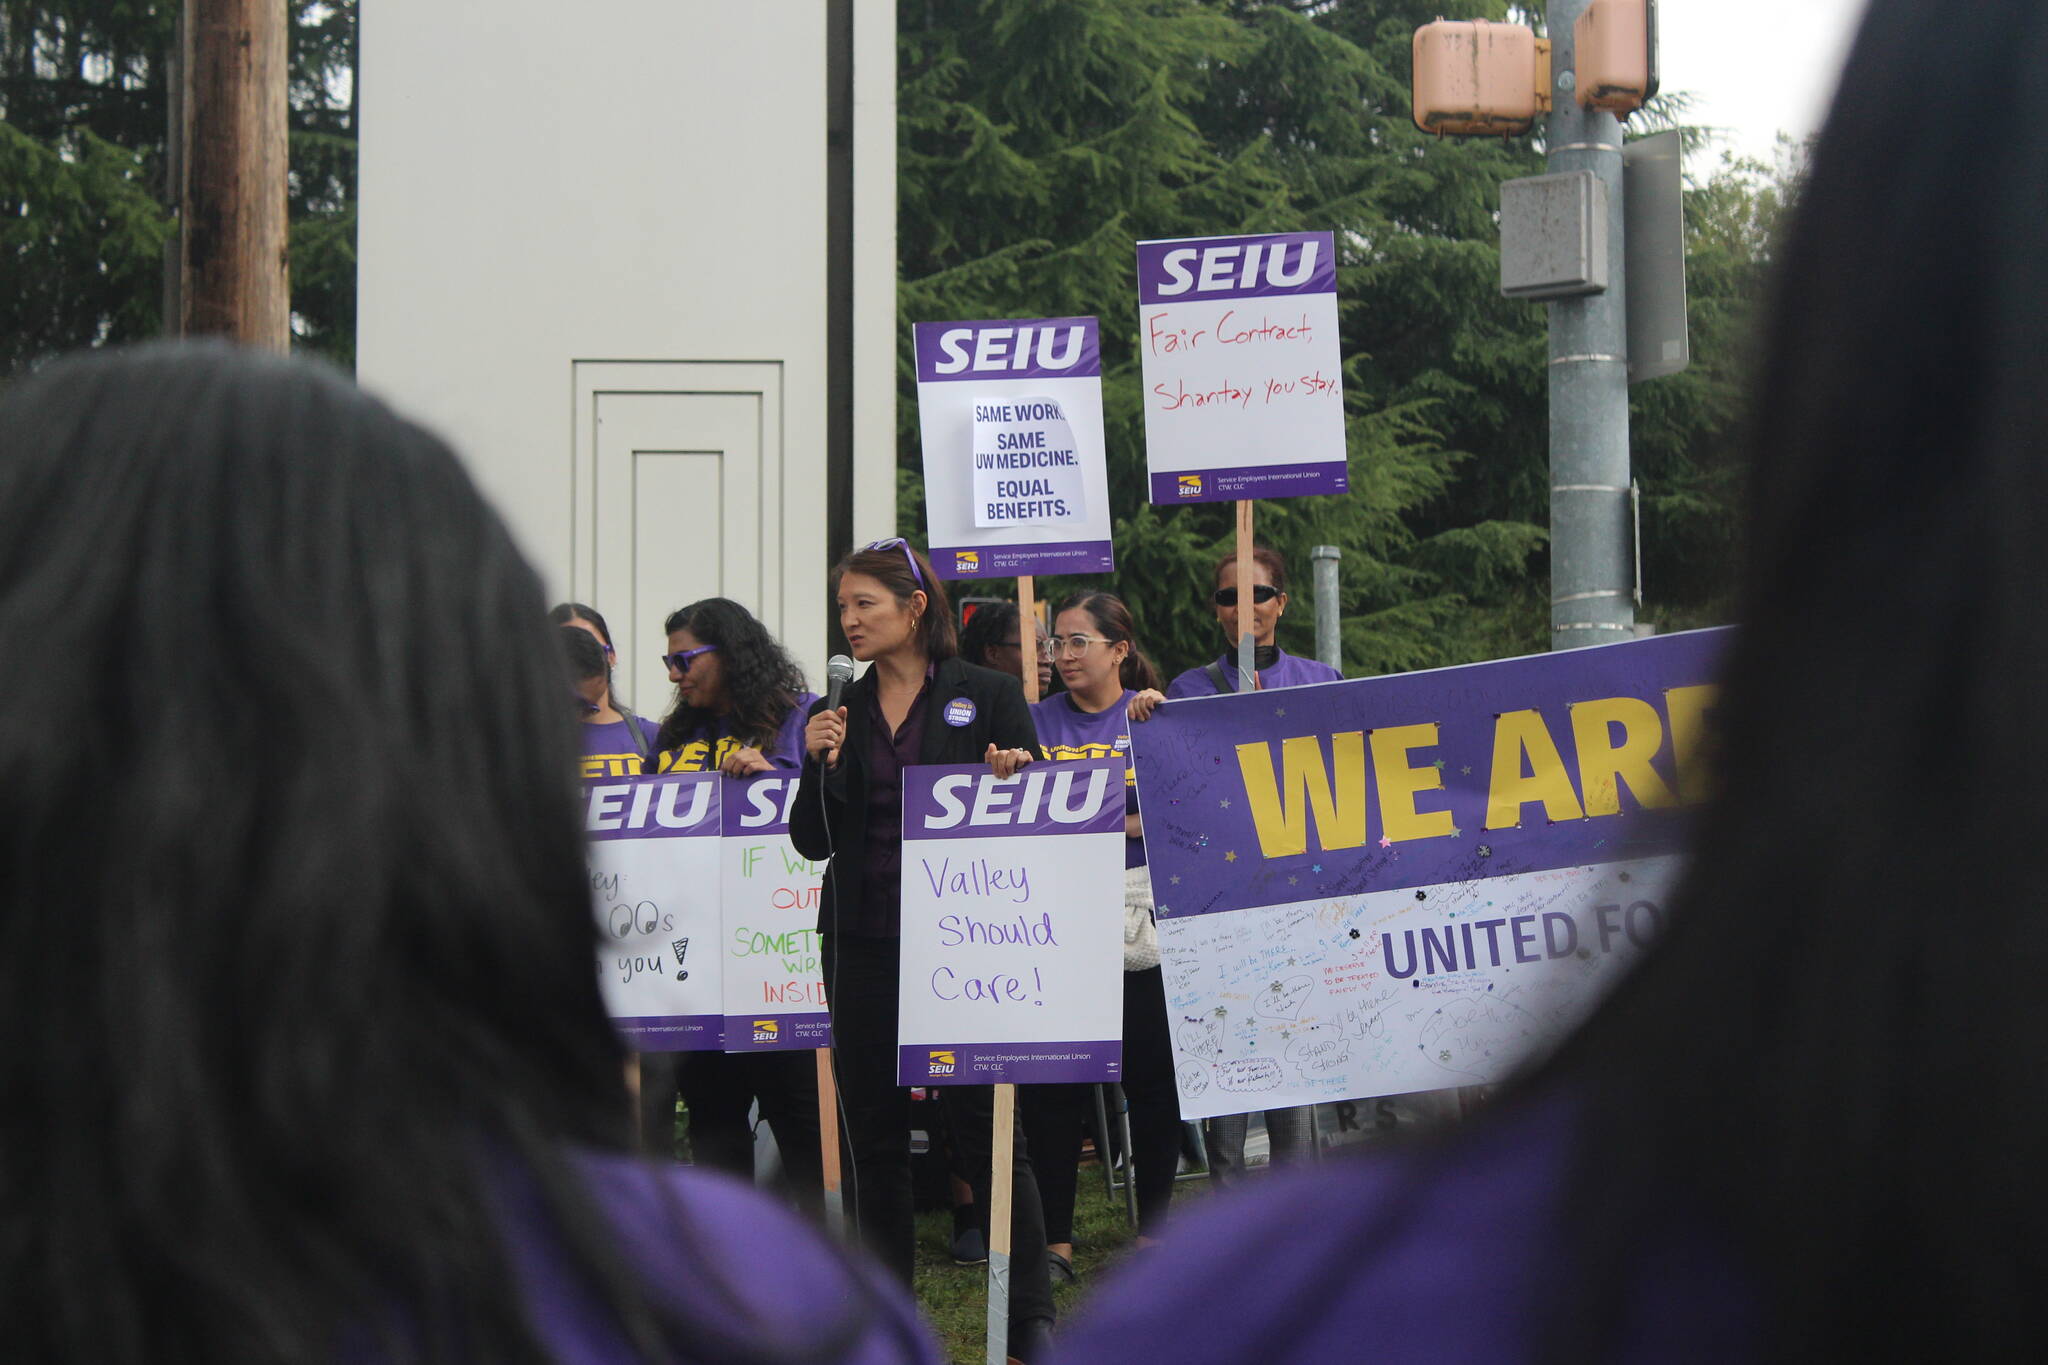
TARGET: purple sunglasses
(680,660)
(908,557)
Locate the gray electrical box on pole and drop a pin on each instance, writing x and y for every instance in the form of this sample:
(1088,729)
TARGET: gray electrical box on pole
(1592,571)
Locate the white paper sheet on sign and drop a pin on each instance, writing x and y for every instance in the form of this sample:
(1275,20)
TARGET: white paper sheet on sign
(1027,469)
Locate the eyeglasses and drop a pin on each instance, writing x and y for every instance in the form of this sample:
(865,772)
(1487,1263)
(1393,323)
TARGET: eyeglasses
(908,557)
(681,660)
(1073,645)
(1261,593)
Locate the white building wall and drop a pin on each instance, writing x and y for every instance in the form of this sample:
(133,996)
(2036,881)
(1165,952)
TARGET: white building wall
(592,252)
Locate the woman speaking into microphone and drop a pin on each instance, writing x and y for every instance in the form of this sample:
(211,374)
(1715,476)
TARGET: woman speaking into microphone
(918,703)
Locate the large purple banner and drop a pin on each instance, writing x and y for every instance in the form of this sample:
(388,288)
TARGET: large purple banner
(1012,925)
(1395,884)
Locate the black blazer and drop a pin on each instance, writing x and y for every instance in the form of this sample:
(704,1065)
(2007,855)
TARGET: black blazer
(831,815)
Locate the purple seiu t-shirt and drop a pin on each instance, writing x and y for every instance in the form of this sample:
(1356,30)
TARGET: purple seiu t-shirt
(705,753)
(746,1267)
(608,749)
(1287,671)
(1441,1253)
(1067,733)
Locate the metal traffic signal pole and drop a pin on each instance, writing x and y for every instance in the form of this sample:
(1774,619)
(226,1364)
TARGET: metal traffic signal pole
(1592,577)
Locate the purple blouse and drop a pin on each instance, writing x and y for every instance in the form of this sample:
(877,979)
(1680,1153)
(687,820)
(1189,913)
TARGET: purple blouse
(1438,1253)
(744,1265)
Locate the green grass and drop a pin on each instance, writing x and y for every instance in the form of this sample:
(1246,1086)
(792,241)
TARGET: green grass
(954,1298)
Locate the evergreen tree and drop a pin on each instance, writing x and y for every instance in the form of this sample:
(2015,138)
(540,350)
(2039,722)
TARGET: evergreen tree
(1039,140)
(86,211)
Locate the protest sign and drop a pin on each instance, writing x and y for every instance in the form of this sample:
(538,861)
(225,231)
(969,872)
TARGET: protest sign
(1015,480)
(1012,925)
(1238,341)
(654,881)
(773,990)
(1400,884)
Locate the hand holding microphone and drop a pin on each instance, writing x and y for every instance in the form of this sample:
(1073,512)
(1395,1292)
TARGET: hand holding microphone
(826,731)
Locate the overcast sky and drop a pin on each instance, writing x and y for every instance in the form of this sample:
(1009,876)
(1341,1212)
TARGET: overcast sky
(1755,67)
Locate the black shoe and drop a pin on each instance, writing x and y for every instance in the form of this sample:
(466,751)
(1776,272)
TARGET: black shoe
(969,1247)
(1031,1340)
(1059,1268)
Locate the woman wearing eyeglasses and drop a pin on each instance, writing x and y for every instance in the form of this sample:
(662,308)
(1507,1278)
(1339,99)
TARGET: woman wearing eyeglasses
(1290,1132)
(1095,648)
(918,703)
(614,740)
(739,708)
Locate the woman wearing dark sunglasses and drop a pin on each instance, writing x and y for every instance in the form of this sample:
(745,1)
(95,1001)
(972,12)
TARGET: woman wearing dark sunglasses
(1274,666)
(739,709)
(919,703)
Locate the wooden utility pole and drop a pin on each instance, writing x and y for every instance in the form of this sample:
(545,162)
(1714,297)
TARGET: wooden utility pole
(233,273)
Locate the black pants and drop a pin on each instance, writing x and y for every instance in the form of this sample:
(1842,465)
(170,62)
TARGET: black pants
(1056,1115)
(719,1088)
(861,983)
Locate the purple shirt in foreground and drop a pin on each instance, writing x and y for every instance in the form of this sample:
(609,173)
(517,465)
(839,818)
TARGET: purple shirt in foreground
(1441,1253)
(1287,671)
(608,749)
(742,1262)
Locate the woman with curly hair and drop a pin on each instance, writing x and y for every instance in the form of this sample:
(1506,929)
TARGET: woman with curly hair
(739,708)
(740,698)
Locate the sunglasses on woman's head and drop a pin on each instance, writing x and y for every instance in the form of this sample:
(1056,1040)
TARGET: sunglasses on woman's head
(680,660)
(908,557)
(1261,593)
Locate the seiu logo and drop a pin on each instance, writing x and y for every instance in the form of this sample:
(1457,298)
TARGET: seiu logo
(967,561)
(942,1063)
(1037,795)
(672,804)
(1235,267)
(769,802)
(1190,485)
(1008,348)
(766,1030)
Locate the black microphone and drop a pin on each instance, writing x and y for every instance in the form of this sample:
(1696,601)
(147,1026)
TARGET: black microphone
(838,673)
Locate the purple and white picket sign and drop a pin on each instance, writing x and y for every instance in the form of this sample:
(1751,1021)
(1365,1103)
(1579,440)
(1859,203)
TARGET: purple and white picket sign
(773,989)
(1012,925)
(1242,369)
(654,884)
(1015,479)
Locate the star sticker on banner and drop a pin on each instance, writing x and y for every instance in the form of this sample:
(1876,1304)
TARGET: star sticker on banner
(1438,765)
(1294,881)
(1457,833)
(1317,868)
(1224,803)
(1486,850)
(1285,1035)
(1280,711)
(1466,770)
(1386,842)
(1230,855)
(1176,879)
